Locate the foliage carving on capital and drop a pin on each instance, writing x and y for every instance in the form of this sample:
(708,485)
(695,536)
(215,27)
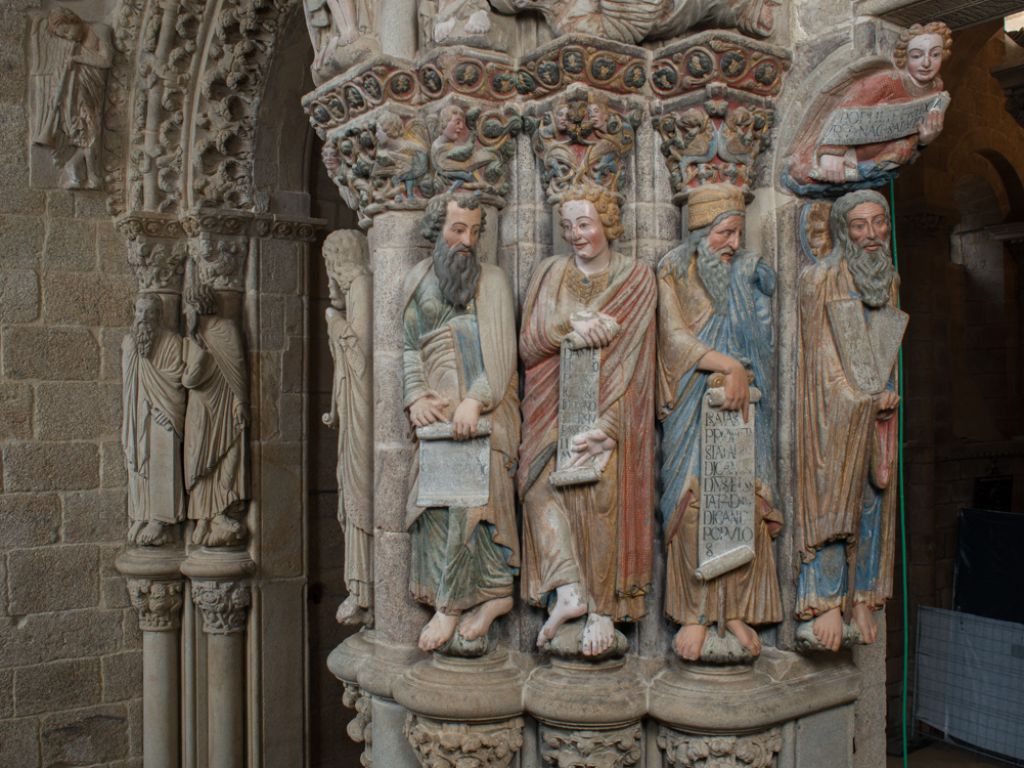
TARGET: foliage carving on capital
(614,748)
(683,750)
(158,603)
(156,251)
(461,745)
(583,138)
(223,604)
(360,727)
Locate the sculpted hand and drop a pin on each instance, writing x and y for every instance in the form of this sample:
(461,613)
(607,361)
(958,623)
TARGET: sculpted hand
(885,405)
(737,389)
(427,410)
(330,420)
(593,444)
(833,168)
(240,414)
(466,417)
(597,331)
(930,127)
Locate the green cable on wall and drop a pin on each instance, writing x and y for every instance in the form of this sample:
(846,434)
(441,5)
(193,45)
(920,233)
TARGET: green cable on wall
(903,509)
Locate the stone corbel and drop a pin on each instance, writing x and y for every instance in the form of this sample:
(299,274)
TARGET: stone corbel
(716,110)
(683,750)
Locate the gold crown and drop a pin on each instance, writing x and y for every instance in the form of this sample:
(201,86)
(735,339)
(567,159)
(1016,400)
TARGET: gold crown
(707,203)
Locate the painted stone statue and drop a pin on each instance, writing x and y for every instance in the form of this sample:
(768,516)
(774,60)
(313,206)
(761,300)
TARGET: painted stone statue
(850,332)
(153,423)
(350,336)
(714,316)
(341,32)
(216,376)
(633,21)
(461,383)
(587,547)
(460,162)
(69,64)
(877,123)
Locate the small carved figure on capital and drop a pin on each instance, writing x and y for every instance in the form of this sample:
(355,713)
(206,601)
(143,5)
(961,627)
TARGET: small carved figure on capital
(216,375)
(718,503)
(641,20)
(461,395)
(67,86)
(342,33)
(850,334)
(157,603)
(471,151)
(400,169)
(873,123)
(350,336)
(153,422)
(586,463)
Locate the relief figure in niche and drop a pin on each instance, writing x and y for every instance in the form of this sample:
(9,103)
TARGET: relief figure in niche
(459,368)
(216,472)
(633,21)
(715,317)
(850,332)
(153,423)
(68,79)
(341,32)
(350,335)
(876,123)
(587,547)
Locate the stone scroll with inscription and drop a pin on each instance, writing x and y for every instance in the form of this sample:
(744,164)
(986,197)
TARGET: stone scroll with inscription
(727,505)
(853,126)
(579,387)
(454,473)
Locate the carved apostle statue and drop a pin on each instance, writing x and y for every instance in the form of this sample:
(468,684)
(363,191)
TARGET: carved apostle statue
(70,61)
(714,316)
(587,547)
(153,422)
(850,332)
(350,335)
(460,370)
(216,376)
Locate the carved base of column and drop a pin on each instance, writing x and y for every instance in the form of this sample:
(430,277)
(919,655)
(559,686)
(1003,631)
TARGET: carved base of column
(151,563)
(218,563)
(587,694)
(374,665)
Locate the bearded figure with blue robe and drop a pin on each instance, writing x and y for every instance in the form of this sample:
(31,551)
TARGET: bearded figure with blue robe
(715,320)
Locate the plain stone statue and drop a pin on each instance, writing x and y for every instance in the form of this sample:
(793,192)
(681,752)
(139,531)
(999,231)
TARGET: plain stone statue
(588,546)
(715,323)
(342,33)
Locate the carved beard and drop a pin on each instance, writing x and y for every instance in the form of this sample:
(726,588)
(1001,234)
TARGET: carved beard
(458,272)
(715,274)
(144,333)
(872,272)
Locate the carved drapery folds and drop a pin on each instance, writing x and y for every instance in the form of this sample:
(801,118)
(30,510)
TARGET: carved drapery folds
(716,119)
(462,745)
(224,605)
(615,748)
(157,603)
(684,750)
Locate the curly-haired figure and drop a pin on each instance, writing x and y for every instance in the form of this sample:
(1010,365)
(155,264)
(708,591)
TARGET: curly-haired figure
(587,548)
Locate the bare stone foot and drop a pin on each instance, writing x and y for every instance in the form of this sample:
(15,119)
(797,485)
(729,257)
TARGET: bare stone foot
(201,532)
(746,634)
(438,631)
(828,628)
(569,604)
(133,531)
(350,613)
(864,617)
(155,534)
(476,623)
(689,641)
(598,635)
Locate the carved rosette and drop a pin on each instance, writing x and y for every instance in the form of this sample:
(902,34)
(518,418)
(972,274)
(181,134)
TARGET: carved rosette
(158,604)
(223,604)
(156,251)
(441,744)
(716,111)
(684,750)
(613,67)
(583,137)
(614,748)
(360,727)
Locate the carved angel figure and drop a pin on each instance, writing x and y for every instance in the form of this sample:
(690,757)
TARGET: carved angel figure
(633,21)
(68,79)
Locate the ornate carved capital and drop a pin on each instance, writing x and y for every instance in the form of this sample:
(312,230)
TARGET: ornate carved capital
(218,246)
(224,605)
(684,750)
(380,81)
(612,67)
(583,137)
(615,748)
(158,604)
(491,745)
(360,727)
(156,250)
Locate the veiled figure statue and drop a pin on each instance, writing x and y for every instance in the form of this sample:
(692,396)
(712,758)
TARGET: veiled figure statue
(715,317)
(350,335)
(460,371)
(153,423)
(587,547)
(850,332)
